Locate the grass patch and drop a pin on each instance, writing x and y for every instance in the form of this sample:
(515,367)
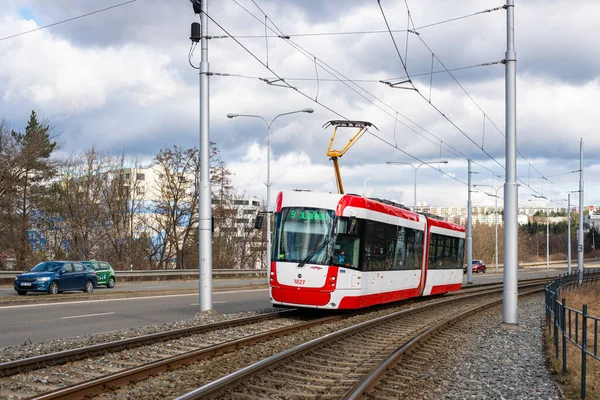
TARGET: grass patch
(570,383)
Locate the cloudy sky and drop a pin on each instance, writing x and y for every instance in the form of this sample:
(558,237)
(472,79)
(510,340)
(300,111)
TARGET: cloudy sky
(121,80)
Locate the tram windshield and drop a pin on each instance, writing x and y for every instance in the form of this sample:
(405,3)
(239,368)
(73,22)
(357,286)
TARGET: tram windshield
(301,232)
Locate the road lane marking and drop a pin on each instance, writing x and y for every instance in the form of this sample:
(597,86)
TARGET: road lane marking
(126,298)
(88,315)
(214,302)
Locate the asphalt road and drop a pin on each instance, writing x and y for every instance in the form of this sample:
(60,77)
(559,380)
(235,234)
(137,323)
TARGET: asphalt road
(151,286)
(39,322)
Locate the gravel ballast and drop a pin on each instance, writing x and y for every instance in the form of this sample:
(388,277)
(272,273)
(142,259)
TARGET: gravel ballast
(494,361)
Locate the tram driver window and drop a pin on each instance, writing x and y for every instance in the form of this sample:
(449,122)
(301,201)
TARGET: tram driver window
(347,244)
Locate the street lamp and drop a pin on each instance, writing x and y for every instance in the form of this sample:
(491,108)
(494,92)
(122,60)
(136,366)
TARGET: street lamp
(268,184)
(416,169)
(496,216)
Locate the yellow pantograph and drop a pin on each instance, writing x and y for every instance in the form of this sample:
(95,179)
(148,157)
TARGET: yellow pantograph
(362,127)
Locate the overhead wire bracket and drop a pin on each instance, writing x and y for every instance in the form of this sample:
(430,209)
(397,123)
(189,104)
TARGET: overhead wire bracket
(273,82)
(396,84)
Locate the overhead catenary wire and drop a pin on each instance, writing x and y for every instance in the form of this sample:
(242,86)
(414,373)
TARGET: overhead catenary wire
(344,79)
(321,103)
(414,30)
(368,32)
(411,83)
(332,71)
(68,20)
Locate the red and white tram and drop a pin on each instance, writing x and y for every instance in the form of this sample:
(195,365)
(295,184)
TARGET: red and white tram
(337,251)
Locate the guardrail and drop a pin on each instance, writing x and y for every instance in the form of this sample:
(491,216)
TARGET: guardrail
(8,277)
(565,329)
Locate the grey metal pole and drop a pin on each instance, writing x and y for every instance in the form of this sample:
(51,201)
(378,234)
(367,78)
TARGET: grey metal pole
(205,220)
(511,210)
(496,209)
(547,242)
(580,238)
(415,190)
(569,233)
(268,255)
(469,231)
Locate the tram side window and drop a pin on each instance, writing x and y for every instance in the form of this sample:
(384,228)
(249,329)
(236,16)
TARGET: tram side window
(418,249)
(409,249)
(379,246)
(445,252)
(400,257)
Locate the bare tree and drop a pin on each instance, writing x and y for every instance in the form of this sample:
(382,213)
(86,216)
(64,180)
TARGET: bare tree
(176,205)
(122,197)
(81,179)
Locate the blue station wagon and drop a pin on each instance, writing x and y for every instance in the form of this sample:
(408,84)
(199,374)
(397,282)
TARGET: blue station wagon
(55,277)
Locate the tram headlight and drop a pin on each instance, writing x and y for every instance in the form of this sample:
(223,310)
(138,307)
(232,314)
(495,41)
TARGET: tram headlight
(272,273)
(332,278)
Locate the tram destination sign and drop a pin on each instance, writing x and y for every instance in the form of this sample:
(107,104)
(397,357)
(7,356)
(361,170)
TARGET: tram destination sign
(303,214)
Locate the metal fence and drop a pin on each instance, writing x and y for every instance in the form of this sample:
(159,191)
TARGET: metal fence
(570,324)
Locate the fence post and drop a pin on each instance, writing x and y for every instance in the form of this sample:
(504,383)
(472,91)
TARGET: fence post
(583,349)
(563,313)
(556,322)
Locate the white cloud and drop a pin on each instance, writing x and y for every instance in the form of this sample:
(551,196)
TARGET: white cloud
(126,84)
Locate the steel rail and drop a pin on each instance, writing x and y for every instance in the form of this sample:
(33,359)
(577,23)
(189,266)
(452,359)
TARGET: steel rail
(26,364)
(372,378)
(234,378)
(121,378)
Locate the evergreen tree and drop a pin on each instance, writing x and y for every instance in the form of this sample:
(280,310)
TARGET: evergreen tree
(32,167)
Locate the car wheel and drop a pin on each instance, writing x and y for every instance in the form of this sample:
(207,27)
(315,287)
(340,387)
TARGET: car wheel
(111,283)
(22,292)
(89,287)
(53,288)
(483,270)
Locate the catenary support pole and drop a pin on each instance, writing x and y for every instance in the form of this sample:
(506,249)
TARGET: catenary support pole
(580,236)
(205,220)
(469,231)
(547,242)
(510,292)
(569,233)
(496,223)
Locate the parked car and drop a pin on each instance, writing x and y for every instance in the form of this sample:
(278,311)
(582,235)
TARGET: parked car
(106,273)
(478,266)
(55,277)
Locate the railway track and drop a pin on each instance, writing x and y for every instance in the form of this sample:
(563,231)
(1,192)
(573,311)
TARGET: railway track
(349,362)
(109,365)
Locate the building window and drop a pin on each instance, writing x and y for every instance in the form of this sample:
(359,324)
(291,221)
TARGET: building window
(256,203)
(140,177)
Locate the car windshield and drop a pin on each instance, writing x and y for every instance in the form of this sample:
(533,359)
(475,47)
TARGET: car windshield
(476,262)
(88,264)
(47,267)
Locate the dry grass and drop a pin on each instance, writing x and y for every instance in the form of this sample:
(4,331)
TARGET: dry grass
(571,383)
